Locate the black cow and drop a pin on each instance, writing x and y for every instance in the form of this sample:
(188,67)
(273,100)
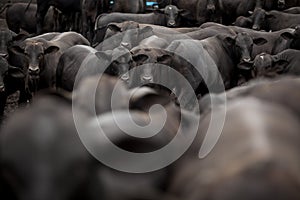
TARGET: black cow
(128,39)
(90,9)
(285,62)
(262,133)
(169,16)
(41,54)
(68,7)
(276,41)
(49,135)
(18,17)
(229,52)
(273,20)
(133,6)
(82,61)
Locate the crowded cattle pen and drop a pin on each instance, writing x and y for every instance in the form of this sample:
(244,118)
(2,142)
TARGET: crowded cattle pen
(149,99)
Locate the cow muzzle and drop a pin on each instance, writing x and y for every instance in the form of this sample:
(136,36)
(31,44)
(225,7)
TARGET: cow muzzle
(34,71)
(147,78)
(255,27)
(171,23)
(125,77)
(2,88)
(211,8)
(247,59)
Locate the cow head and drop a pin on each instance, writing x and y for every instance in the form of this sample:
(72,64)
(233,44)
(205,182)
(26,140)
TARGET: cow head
(258,18)
(281,4)
(211,8)
(120,62)
(34,52)
(172,15)
(243,45)
(268,65)
(146,57)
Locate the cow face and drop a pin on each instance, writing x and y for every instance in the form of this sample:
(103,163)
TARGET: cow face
(211,8)
(120,62)
(243,44)
(172,14)
(35,54)
(281,4)
(258,18)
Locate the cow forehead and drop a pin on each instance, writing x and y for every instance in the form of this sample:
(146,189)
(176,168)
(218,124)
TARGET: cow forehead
(171,8)
(34,47)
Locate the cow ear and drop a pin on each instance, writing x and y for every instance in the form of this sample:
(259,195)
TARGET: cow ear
(269,15)
(51,49)
(139,59)
(102,55)
(287,35)
(20,37)
(164,59)
(280,66)
(275,58)
(162,10)
(114,28)
(229,40)
(259,41)
(184,13)
(16,72)
(146,30)
(17,49)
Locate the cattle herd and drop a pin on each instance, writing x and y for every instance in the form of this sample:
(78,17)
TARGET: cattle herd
(71,66)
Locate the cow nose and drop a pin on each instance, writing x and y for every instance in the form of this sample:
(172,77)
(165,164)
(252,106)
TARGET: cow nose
(125,77)
(147,78)
(171,23)
(34,70)
(211,8)
(2,88)
(254,27)
(125,44)
(247,60)
(3,55)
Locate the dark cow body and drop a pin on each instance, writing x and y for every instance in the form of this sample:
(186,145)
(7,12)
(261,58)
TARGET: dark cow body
(263,136)
(169,16)
(231,52)
(17,18)
(50,138)
(273,20)
(90,9)
(39,57)
(276,41)
(68,7)
(132,6)
(81,61)
(128,39)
